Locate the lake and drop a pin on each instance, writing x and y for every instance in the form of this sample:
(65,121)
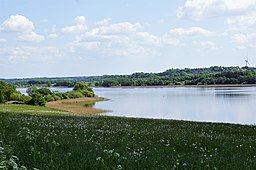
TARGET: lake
(209,104)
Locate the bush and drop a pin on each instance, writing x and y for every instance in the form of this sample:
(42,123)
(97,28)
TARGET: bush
(80,86)
(83,89)
(37,100)
(5,91)
(74,94)
(49,98)
(17,96)
(56,97)
(88,93)
(44,91)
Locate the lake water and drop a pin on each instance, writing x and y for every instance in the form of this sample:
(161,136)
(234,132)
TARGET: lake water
(216,104)
(211,104)
(60,89)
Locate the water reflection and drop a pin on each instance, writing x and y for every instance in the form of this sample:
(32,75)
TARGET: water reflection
(232,104)
(213,104)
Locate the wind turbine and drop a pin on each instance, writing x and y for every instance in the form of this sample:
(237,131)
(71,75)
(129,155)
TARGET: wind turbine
(247,62)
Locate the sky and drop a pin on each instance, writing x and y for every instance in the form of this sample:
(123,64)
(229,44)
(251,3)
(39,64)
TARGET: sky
(83,37)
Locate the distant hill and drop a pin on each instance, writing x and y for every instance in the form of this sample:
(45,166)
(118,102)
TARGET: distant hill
(186,76)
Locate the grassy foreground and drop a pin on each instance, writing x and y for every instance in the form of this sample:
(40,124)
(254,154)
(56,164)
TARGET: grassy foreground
(70,142)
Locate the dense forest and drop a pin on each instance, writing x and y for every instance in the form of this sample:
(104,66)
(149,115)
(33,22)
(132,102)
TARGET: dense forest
(196,76)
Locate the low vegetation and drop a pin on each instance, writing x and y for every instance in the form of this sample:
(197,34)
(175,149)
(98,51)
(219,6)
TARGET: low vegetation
(79,106)
(71,142)
(215,75)
(39,96)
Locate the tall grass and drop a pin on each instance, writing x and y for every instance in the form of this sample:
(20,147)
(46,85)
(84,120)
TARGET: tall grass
(68,142)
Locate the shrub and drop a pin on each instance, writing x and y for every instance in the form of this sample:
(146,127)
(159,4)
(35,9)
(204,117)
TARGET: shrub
(87,93)
(84,89)
(80,86)
(49,98)
(74,94)
(37,100)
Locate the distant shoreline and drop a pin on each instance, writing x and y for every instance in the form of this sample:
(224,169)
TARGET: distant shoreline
(163,86)
(176,86)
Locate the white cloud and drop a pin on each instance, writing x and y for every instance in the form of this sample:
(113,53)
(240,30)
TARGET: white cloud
(79,20)
(244,40)
(243,22)
(104,22)
(122,39)
(199,9)
(53,36)
(29,54)
(240,38)
(206,45)
(170,40)
(191,31)
(147,38)
(17,23)
(119,28)
(78,27)
(23,27)
(30,37)
(53,28)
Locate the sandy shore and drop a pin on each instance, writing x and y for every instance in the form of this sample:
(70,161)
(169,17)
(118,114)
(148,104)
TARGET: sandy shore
(79,106)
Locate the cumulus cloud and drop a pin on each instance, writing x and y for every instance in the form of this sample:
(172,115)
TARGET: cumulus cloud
(242,22)
(170,40)
(199,9)
(206,45)
(53,28)
(191,31)
(31,37)
(78,27)
(240,38)
(116,29)
(23,27)
(123,39)
(244,40)
(53,34)
(104,22)
(28,54)
(17,23)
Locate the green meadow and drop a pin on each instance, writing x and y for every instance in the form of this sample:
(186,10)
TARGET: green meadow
(43,138)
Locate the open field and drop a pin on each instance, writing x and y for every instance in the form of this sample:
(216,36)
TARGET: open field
(71,142)
(79,106)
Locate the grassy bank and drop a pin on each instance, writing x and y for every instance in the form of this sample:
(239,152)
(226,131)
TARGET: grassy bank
(79,106)
(70,142)
(31,110)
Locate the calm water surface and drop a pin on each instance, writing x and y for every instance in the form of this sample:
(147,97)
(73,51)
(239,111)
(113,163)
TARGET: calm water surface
(212,104)
(216,104)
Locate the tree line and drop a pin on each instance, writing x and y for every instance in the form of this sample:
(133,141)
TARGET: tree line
(39,96)
(211,76)
(195,76)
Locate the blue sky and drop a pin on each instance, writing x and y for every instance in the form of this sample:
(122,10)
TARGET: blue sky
(82,37)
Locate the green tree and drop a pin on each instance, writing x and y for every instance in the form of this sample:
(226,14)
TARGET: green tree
(31,90)
(82,88)
(37,99)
